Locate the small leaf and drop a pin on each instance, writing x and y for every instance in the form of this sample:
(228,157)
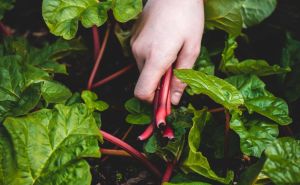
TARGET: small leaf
(231,65)
(139,112)
(90,98)
(255,11)
(125,10)
(204,63)
(54,92)
(224,15)
(49,146)
(282,164)
(217,89)
(255,134)
(196,162)
(258,99)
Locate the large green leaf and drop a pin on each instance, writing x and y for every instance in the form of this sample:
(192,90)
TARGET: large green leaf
(283,159)
(5,5)
(255,11)
(54,92)
(195,161)
(258,99)
(124,10)
(217,89)
(224,15)
(62,16)
(231,65)
(139,112)
(255,134)
(251,175)
(92,102)
(49,146)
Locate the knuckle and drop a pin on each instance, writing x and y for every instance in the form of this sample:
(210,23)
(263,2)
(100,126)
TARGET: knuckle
(161,60)
(135,47)
(142,95)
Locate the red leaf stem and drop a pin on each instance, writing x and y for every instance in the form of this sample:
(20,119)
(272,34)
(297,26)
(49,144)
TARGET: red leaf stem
(96,40)
(168,173)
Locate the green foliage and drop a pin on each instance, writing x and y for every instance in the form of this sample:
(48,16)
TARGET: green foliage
(255,134)
(195,161)
(204,63)
(54,92)
(62,16)
(282,163)
(5,5)
(231,65)
(139,112)
(90,99)
(258,99)
(217,89)
(255,11)
(49,146)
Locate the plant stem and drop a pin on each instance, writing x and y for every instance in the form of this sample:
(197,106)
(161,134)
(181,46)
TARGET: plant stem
(161,112)
(113,76)
(168,173)
(114,152)
(226,137)
(168,132)
(135,153)
(96,40)
(220,109)
(147,132)
(99,57)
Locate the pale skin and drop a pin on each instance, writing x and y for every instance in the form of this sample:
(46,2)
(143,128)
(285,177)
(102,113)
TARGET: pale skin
(167,32)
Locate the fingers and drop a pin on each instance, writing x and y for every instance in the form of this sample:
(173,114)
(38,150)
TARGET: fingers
(186,59)
(154,68)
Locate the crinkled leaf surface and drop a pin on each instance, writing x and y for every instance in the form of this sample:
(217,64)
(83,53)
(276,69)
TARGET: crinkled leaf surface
(204,63)
(224,15)
(195,161)
(139,112)
(258,99)
(92,102)
(54,92)
(48,147)
(283,159)
(124,10)
(255,11)
(217,89)
(255,134)
(5,5)
(62,16)
(231,65)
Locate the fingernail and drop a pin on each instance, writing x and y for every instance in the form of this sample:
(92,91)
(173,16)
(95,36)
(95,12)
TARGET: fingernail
(175,98)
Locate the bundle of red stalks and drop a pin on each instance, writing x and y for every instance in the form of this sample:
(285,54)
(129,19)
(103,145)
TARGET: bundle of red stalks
(161,109)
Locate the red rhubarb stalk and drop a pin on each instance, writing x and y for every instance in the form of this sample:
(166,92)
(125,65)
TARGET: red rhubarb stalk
(96,41)
(161,112)
(113,76)
(220,109)
(168,132)
(99,57)
(114,152)
(168,173)
(132,151)
(147,133)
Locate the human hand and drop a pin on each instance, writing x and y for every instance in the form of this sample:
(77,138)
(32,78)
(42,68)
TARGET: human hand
(168,31)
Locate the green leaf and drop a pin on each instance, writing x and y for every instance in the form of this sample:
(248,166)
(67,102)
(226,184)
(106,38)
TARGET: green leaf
(250,176)
(139,112)
(5,5)
(49,146)
(290,57)
(204,63)
(62,16)
(125,10)
(186,183)
(187,179)
(282,164)
(54,92)
(90,99)
(224,15)
(258,99)
(231,65)
(255,11)
(217,89)
(196,162)
(255,134)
